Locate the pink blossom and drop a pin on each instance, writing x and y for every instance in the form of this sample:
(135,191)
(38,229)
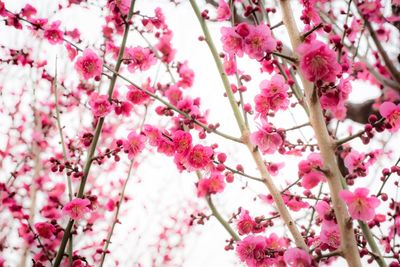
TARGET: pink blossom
(223,11)
(360,206)
(230,65)
(89,65)
(391,113)
(294,203)
(296,257)
(334,99)
(318,62)
(214,184)
(136,96)
(275,242)
(251,250)
(28,11)
(45,230)
(330,234)
(134,144)
(273,168)
(199,157)
(139,58)
(53,34)
(174,94)
(182,141)
(267,140)
(245,223)
(259,41)
(120,5)
(186,74)
(165,47)
(312,179)
(232,43)
(99,104)
(76,208)
(273,95)
(310,171)
(354,161)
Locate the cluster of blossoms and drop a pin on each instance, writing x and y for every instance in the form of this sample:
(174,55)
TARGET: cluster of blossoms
(257,251)
(255,41)
(329,69)
(273,95)
(311,171)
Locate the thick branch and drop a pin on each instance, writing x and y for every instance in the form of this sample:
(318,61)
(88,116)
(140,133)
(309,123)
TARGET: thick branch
(348,242)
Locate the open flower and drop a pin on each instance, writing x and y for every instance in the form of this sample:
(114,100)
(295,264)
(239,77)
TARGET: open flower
(134,144)
(318,62)
(360,206)
(296,257)
(89,65)
(223,11)
(76,208)
(99,104)
(391,113)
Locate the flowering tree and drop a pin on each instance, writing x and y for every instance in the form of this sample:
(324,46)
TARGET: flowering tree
(83,113)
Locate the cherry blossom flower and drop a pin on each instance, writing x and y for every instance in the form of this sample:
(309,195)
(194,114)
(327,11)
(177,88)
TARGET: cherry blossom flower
(330,234)
(45,230)
(259,41)
(99,104)
(182,141)
(251,250)
(245,223)
(199,157)
(89,65)
(318,62)
(334,99)
(53,34)
(76,208)
(139,58)
(294,202)
(296,257)
(230,65)
(354,161)
(391,113)
(267,140)
(174,94)
(186,74)
(136,96)
(273,95)
(310,171)
(120,5)
(360,206)
(214,184)
(134,144)
(232,42)
(165,47)
(223,11)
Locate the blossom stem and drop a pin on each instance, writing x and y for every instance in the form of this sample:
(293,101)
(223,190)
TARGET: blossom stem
(283,211)
(292,59)
(389,64)
(121,199)
(156,97)
(334,176)
(217,215)
(297,127)
(385,181)
(95,140)
(305,35)
(221,220)
(241,173)
(372,244)
(344,32)
(60,131)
